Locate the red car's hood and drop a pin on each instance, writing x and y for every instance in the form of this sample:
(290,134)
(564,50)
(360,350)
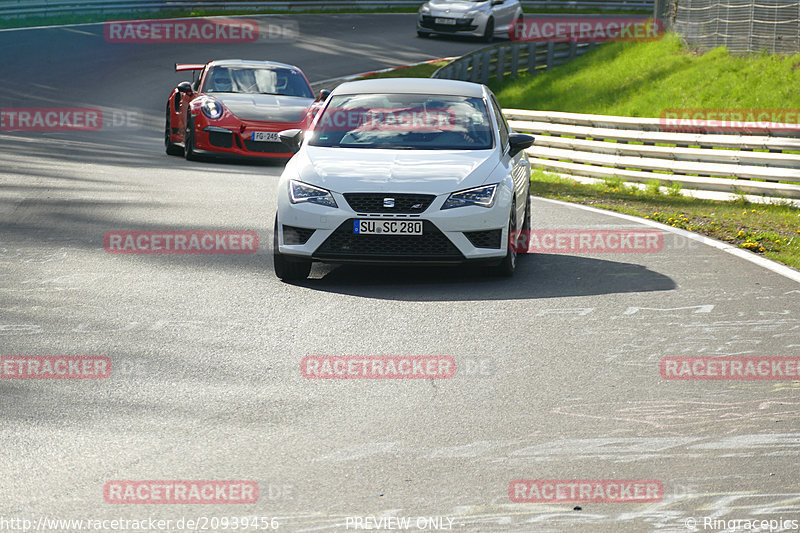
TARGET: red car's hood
(269,107)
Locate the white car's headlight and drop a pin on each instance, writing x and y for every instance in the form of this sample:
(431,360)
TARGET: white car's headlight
(303,192)
(211,108)
(480,196)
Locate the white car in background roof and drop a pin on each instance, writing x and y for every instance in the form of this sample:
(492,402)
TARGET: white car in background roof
(403,171)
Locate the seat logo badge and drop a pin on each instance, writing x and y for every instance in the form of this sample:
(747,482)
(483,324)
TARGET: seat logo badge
(388,202)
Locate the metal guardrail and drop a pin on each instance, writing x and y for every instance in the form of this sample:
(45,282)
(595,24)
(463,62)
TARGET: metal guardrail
(573,144)
(18,8)
(510,59)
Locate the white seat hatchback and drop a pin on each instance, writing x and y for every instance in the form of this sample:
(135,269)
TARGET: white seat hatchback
(403,171)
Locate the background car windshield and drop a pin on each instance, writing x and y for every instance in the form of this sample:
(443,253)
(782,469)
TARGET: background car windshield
(248,80)
(404,121)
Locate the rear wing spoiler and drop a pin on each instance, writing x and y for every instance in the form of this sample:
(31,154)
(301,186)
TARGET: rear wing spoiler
(180,67)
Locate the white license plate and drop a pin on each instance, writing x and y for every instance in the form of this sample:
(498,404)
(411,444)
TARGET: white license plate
(451,22)
(266,136)
(387,227)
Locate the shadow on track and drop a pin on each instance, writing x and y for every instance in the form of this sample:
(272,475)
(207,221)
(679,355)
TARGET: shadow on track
(537,276)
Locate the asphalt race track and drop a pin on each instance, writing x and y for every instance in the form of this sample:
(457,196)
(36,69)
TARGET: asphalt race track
(558,368)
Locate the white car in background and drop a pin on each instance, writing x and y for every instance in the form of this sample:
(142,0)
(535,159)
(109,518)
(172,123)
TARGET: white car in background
(410,170)
(478,18)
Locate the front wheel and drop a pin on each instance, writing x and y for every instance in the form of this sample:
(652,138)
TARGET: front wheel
(526,222)
(170,147)
(288,268)
(488,33)
(423,34)
(508,265)
(188,141)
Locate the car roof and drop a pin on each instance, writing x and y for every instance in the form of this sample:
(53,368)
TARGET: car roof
(411,86)
(248,63)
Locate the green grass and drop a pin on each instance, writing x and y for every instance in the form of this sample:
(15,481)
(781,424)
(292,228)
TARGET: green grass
(771,230)
(417,71)
(640,79)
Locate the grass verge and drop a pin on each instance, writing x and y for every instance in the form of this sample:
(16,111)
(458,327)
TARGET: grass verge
(640,79)
(771,230)
(417,71)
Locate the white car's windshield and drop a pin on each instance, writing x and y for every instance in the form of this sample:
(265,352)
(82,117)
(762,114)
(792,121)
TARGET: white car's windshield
(280,81)
(404,122)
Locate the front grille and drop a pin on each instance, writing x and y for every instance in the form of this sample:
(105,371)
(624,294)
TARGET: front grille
(220,140)
(491,238)
(432,245)
(429,22)
(265,147)
(293,235)
(403,203)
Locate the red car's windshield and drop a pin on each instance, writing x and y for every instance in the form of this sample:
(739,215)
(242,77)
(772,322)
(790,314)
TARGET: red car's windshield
(248,80)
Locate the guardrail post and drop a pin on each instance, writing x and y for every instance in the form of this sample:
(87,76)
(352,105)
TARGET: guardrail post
(514,60)
(501,63)
(551,48)
(531,58)
(573,49)
(486,62)
(475,66)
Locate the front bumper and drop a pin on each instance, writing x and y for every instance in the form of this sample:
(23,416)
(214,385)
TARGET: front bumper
(237,140)
(449,236)
(465,26)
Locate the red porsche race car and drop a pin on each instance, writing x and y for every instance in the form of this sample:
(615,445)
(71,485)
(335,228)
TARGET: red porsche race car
(237,107)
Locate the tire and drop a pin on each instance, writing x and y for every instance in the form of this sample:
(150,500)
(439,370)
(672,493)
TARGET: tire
(488,33)
(508,265)
(423,34)
(526,222)
(170,147)
(288,268)
(188,142)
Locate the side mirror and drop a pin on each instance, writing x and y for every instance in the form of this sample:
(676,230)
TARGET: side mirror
(292,138)
(185,87)
(324,94)
(518,142)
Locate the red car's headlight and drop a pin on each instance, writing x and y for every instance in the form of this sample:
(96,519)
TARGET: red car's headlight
(211,108)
